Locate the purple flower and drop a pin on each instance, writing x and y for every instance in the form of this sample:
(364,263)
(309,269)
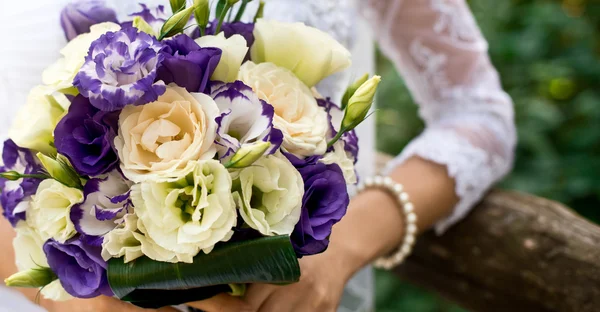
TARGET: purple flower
(85,136)
(79,267)
(120,69)
(106,202)
(188,65)
(78,16)
(16,194)
(246,30)
(324,204)
(244,119)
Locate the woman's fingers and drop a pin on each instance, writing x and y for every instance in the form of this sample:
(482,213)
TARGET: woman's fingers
(257,294)
(222,303)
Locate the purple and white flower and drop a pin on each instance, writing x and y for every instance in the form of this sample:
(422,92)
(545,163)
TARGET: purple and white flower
(335,116)
(78,16)
(120,69)
(244,119)
(106,202)
(16,195)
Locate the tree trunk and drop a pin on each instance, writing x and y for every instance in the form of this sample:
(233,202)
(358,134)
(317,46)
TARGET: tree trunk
(514,252)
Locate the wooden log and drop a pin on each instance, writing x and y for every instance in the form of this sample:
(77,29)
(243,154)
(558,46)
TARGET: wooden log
(514,252)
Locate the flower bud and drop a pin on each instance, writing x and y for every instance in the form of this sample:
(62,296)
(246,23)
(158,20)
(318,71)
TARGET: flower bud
(60,169)
(248,154)
(352,89)
(201,12)
(10,175)
(177,5)
(143,26)
(32,278)
(232,2)
(176,23)
(360,103)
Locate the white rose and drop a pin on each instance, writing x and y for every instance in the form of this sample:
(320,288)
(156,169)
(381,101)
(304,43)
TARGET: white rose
(303,123)
(33,127)
(50,210)
(270,195)
(189,214)
(234,50)
(60,75)
(310,53)
(340,157)
(157,140)
(29,254)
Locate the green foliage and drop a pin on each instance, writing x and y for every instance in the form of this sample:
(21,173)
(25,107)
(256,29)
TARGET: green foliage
(548,56)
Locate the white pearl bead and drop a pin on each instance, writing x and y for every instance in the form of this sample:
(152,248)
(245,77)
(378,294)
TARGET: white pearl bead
(368,182)
(404,198)
(410,239)
(398,188)
(411,229)
(378,180)
(398,257)
(388,181)
(408,208)
(405,249)
(411,217)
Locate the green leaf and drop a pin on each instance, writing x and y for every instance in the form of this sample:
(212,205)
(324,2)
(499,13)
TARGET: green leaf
(151,284)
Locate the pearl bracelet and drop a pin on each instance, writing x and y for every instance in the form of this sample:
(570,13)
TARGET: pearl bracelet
(410,218)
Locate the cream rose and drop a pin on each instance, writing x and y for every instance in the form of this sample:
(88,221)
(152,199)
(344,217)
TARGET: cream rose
(303,123)
(29,254)
(50,210)
(340,157)
(60,75)
(157,140)
(308,52)
(269,195)
(234,50)
(34,124)
(187,215)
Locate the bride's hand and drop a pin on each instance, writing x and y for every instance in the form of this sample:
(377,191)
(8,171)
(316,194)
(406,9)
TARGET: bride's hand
(98,304)
(320,288)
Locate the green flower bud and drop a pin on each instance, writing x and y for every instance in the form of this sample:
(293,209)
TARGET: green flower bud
(352,89)
(177,5)
(202,13)
(142,25)
(248,154)
(176,23)
(32,278)
(360,103)
(60,169)
(11,175)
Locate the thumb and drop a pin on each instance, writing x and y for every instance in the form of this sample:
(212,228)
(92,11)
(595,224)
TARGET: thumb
(222,303)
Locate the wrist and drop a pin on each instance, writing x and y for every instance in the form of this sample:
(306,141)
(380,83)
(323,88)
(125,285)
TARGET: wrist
(372,227)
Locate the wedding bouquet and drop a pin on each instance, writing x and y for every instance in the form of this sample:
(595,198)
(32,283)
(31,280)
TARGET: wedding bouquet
(167,158)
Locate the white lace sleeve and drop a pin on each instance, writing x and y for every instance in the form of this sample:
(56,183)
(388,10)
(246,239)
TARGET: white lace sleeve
(439,50)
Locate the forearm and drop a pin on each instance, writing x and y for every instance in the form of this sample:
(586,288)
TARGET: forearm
(374,224)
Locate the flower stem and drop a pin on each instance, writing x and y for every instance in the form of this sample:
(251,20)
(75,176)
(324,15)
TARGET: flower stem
(336,138)
(222,18)
(240,12)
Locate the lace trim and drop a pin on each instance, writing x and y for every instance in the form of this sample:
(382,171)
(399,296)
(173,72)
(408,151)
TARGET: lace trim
(473,169)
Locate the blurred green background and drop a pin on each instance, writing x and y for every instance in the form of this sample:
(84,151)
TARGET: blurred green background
(548,55)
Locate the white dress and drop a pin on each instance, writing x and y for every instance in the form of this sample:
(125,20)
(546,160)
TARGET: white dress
(435,44)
